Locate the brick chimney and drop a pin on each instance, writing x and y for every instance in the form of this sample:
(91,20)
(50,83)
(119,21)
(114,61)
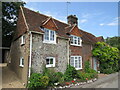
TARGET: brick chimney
(72,19)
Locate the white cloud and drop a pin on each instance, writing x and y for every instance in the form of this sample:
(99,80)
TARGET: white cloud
(112,23)
(83,21)
(102,24)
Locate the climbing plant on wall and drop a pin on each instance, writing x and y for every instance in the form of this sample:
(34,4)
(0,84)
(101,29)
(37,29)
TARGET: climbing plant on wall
(108,57)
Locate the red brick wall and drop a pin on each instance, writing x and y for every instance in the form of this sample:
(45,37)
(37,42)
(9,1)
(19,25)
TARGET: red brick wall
(75,50)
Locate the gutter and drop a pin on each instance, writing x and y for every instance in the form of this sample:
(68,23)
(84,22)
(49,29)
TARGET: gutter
(30,59)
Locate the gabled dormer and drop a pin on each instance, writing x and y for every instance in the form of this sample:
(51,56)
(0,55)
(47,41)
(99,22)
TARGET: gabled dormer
(50,24)
(50,28)
(75,36)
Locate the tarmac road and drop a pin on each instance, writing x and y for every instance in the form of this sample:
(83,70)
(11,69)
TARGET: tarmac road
(110,81)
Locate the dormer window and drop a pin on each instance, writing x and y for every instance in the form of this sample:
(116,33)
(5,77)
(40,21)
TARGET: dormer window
(49,36)
(76,41)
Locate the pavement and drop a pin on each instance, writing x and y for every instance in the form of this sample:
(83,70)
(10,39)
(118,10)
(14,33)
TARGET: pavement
(109,81)
(9,78)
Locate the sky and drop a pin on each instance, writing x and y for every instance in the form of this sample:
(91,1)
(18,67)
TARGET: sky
(98,18)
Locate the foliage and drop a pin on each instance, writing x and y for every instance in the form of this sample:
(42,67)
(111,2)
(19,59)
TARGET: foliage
(87,68)
(37,80)
(108,57)
(9,21)
(54,77)
(70,73)
(83,76)
(113,41)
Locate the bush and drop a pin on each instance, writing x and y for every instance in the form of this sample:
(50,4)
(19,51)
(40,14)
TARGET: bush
(87,66)
(37,80)
(54,77)
(107,71)
(84,76)
(70,73)
(59,77)
(44,81)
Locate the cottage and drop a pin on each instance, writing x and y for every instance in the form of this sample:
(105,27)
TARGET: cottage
(42,41)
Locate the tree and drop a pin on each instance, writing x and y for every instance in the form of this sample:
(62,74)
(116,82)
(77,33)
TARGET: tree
(9,20)
(113,41)
(108,57)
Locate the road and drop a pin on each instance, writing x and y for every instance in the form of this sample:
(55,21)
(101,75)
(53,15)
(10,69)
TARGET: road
(110,81)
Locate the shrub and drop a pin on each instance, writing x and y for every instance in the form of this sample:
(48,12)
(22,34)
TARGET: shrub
(44,81)
(37,80)
(83,76)
(53,76)
(70,73)
(87,66)
(107,71)
(59,77)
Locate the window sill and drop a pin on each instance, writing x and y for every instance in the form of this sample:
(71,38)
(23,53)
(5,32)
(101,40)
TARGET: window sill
(78,68)
(21,66)
(49,42)
(47,66)
(76,45)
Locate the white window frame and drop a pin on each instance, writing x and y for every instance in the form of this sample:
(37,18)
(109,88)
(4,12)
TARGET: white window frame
(78,68)
(50,65)
(22,39)
(21,62)
(76,38)
(49,37)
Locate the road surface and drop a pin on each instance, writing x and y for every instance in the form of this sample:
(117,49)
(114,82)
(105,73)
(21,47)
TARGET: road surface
(110,81)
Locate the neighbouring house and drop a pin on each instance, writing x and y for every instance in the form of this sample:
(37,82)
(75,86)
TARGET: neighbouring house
(42,41)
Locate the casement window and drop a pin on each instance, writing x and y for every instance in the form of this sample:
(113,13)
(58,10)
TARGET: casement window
(49,36)
(50,62)
(23,40)
(77,41)
(76,61)
(21,62)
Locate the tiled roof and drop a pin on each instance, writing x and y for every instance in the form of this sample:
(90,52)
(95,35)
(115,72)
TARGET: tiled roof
(100,38)
(34,20)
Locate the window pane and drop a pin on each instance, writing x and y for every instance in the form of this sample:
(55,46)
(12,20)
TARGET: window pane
(51,61)
(47,61)
(76,58)
(71,40)
(52,35)
(22,61)
(79,62)
(78,41)
(76,63)
(75,40)
(72,61)
(46,34)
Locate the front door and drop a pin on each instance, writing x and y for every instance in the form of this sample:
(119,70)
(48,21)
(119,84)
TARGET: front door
(95,64)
